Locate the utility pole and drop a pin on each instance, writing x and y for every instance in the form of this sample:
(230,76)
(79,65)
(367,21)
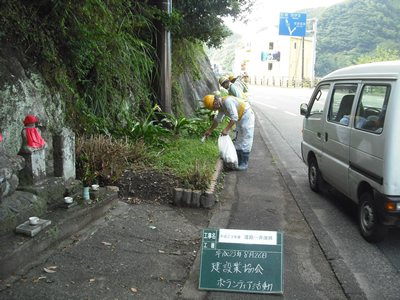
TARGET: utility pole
(164,53)
(314,31)
(302,61)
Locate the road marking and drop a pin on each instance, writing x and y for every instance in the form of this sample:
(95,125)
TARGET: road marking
(289,113)
(270,106)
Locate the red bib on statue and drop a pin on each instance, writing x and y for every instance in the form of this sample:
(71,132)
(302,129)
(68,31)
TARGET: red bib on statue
(34,138)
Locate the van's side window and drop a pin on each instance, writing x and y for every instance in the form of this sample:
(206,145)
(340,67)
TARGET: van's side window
(371,109)
(341,103)
(318,103)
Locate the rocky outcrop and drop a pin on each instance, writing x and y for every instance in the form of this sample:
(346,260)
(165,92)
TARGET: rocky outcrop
(24,92)
(193,91)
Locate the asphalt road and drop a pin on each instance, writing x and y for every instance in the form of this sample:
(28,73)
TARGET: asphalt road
(375,266)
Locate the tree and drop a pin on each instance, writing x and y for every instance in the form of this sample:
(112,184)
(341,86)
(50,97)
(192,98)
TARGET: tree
(203,20)
(380,55)
(354,28)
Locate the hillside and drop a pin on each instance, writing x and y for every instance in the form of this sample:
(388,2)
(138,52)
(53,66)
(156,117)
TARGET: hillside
(345,32)
(354,28)
(225,56)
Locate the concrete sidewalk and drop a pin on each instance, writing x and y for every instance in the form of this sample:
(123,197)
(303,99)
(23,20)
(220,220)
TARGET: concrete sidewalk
(146,251)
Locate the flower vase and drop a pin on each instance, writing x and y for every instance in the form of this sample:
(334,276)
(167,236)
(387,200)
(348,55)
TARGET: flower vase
(86,195)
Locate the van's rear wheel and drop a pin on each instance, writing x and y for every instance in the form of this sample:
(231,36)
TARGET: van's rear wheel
(372,230)
(314,175)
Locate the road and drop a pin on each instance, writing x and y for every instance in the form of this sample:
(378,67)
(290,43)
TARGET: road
(375,266)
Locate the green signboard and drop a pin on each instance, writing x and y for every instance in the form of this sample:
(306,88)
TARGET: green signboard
(248,261)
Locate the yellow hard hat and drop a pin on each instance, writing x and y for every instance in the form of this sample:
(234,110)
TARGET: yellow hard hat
(222,80)
(209,101)
(231,77)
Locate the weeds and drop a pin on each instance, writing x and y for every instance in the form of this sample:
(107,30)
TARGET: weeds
(176,149)
(102,158)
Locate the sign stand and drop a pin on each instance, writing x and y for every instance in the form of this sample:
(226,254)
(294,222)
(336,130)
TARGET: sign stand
(249,261)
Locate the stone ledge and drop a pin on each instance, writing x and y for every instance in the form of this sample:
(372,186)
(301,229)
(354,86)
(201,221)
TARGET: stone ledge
(194,198)
(17,250)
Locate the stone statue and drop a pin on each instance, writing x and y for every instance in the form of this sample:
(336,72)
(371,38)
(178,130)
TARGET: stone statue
(33,151)
(31,138)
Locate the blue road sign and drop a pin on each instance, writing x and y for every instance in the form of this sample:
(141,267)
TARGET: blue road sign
(293,24)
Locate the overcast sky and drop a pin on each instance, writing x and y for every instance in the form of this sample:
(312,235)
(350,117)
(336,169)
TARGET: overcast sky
(266,12)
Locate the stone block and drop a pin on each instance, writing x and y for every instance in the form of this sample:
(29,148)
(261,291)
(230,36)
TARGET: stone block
(207,200)
(35,167)
(196,199)
(178,193)
(64,154)
(94,194)
(186,197)
(32,230)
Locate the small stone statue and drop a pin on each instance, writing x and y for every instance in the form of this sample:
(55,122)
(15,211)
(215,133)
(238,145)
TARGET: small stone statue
(31,138)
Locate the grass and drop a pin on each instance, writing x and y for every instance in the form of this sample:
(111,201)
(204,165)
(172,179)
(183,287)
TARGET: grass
(102,159)
(191,160)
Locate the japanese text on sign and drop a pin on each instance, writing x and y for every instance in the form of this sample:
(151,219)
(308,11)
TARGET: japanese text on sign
(242,260)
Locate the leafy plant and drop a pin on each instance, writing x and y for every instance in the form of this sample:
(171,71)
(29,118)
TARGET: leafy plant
(204,121)
(177,124)
(151,132)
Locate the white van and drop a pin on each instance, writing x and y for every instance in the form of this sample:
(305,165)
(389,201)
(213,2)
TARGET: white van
(351,140)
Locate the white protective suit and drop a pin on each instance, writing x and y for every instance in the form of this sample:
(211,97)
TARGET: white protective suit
(244,125)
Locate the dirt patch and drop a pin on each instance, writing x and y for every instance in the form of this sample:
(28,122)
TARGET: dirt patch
(151,186)
(147,185)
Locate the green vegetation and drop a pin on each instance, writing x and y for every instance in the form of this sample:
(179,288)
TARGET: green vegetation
(379,55)
(191,160)
(202,20)
(177,150)
(352,31)
(100,57)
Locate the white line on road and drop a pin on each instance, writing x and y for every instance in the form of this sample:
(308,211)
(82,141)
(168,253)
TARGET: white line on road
(289,113)
(270,106)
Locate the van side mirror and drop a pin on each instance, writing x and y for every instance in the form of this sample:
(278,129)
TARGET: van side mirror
(303,109)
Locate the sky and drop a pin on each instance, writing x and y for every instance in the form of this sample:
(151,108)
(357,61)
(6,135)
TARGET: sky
(266,12)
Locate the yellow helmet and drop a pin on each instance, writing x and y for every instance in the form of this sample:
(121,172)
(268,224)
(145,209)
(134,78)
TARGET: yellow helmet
(222,80)
(231,77)
(209,101)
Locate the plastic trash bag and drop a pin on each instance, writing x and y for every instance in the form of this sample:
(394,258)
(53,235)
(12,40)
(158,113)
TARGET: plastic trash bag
(227,152)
